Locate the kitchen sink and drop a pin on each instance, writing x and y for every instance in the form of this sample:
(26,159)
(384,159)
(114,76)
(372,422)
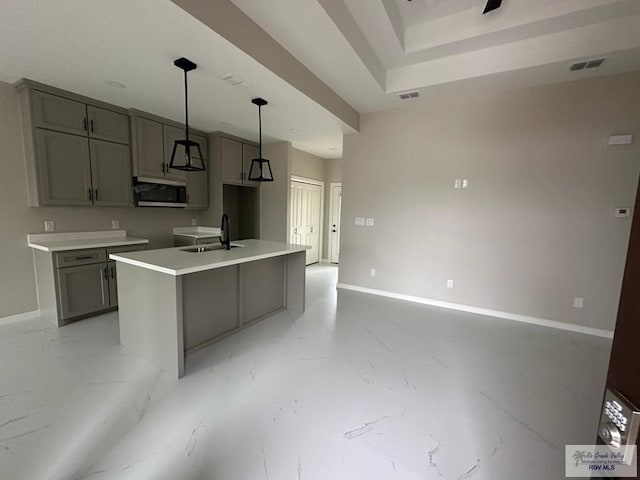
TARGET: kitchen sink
(207,248)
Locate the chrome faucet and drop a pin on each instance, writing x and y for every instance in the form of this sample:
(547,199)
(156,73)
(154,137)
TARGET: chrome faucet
(224,232)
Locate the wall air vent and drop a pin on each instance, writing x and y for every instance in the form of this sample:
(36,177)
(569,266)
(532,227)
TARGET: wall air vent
(587,64)
(408,95)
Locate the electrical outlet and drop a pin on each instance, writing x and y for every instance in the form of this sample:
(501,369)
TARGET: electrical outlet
(622,212)
(578,302)
(359,221)
(49,226)
(369,222)
(115,224)
(194,222)
(372,272)
(449,283)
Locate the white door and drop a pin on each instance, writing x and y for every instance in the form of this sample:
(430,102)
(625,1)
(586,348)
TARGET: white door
(305,218)
(335,207)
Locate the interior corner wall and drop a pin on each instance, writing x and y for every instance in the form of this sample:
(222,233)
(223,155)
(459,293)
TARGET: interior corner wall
(535,228)
(17,278)
(274,196)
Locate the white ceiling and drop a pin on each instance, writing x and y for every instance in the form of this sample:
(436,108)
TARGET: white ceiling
(364,50)
(421,44)
(78,45)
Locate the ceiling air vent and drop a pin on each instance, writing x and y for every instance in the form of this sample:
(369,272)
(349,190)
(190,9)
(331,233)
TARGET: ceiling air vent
(587,64)
(234,81)
(408,95)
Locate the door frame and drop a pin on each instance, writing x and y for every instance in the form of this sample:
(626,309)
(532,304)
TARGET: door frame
(320,183)
(331,208)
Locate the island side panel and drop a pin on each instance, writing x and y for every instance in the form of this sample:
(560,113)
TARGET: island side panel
(150,312)
(46,286)
(295,281)
(210,305)
(262,287)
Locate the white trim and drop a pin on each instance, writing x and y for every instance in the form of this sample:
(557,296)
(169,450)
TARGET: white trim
(20,316)
(482,311)
(331,207)
(324,260)
(319,183)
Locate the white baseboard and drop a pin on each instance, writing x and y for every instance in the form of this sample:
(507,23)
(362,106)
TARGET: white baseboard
(482,311)
(20,316)
(324,260)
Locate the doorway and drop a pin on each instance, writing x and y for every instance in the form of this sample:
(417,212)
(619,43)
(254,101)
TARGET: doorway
(335,209)
(307,197)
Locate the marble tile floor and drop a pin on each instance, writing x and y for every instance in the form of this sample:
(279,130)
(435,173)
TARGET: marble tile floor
(359,387)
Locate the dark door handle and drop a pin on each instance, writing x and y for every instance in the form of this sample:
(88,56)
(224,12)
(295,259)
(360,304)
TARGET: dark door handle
(89,195)
(84,124)
(112,271)
(96,195)
(91,125)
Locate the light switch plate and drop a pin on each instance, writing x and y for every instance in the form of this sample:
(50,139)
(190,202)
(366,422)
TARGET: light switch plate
(369,222)
(465,183)
(578,302)
(372,272)
(458,183)
(115,224)
(194,222)
(49,226)
(360,221)
(449,283)
(621,140)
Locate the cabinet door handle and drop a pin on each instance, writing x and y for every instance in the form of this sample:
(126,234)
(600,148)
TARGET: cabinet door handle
(162,167)
(311,229)
(89,195)
(103,276)
(112,272)
(86,257)
(95,196)
(91,124)
(84,124)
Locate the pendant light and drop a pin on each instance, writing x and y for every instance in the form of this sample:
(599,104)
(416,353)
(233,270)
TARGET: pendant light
(260,170)
(192,161)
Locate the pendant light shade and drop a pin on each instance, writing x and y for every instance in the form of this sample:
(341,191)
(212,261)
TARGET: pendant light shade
(186,154)
(260,170)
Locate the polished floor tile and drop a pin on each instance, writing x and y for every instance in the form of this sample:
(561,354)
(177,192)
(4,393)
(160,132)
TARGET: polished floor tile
(359,387)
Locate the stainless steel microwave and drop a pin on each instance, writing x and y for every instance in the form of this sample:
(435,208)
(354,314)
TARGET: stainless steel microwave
(149,194)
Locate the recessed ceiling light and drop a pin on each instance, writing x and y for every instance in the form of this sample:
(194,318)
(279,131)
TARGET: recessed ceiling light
(294,130)
(115,84)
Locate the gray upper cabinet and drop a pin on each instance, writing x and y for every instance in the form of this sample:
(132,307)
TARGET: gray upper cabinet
(235,161)
(149,149)
(111,174)
(198,188)
(171,134)
(249,152)
(231,160)
(107,125)
(75,148)
(64,169)
(57,113)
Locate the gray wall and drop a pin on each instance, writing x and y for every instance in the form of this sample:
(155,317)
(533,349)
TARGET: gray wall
(534,230)
(18,292)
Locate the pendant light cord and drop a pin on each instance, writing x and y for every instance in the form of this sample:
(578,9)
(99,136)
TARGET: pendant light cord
(186,106)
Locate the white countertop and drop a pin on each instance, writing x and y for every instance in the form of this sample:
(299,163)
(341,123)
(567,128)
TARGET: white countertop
(197,232)
(175,261)
(56,242)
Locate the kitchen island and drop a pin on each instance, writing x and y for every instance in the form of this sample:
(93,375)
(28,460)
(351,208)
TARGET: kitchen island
(174,301)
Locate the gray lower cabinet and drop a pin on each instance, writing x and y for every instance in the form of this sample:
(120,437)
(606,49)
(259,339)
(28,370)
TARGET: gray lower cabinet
(63,169)
(83,290)
(75,284)
(111,173)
